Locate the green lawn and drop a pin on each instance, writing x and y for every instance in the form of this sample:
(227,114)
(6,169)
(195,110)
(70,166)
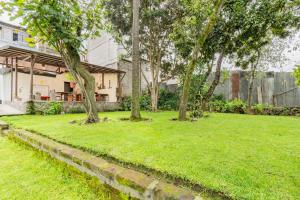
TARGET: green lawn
(246,157)
(26,174)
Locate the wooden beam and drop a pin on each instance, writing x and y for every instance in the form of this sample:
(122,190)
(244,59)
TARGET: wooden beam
(16,78)
(11,80)
(103,86)
(33,58)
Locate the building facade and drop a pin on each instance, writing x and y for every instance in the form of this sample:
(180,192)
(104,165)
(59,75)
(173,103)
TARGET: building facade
(48,80)
(105,51)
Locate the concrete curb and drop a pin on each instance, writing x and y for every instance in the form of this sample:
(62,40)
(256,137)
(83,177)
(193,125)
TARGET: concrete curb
(135,184)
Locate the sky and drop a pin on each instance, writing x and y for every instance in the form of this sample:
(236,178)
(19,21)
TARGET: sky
(291,53)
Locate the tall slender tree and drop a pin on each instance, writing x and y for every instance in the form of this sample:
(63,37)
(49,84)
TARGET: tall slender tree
(136,82)
(156,17)
(195,55)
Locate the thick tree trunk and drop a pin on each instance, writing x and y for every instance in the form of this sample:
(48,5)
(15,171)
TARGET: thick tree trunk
(194,58)
(215,82)
(135,107)
(85,81)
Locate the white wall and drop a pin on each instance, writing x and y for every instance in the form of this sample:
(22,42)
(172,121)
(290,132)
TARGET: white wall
(102,50)
(6,36)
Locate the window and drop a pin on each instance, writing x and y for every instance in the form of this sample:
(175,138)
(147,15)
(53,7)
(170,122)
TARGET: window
(109,84)
(15,36)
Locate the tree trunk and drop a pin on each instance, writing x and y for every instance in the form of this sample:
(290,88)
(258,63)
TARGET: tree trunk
(215,82)
(87,86)
(135,107)
(194,58)
(250,88)
(154,97)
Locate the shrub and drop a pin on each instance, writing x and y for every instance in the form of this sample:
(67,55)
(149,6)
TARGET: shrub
(236,106)
(196,113)
(218,106)
(168,100)
(126,104)
(145,102)
(219,97)
(30,108)
(53,108)
(262,109)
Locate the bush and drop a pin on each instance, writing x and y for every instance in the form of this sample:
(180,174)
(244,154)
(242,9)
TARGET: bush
(145,102)
(218,106)
(168,100)
(47,108)
(258,109)
(235,106)
(53,108)
(219,97)
(30,109)
(126,104)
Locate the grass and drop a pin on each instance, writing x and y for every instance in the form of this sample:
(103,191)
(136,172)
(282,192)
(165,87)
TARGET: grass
(243,156)
(28,174)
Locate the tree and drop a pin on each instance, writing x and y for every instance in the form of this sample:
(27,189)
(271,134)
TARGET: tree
(64,25)
(157,17)
(135,108)
(209,18)
(240,24)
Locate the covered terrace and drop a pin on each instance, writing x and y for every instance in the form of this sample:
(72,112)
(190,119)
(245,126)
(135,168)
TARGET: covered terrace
(33,62)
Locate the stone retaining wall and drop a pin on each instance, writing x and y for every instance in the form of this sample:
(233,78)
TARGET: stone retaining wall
(131,182)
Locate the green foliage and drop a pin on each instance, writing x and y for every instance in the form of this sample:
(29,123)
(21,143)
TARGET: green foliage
(30,108)
(259,108)
(166,101)
(46,108)
(53,108)
(234,106)
(145,102)
(218,97)
(297,75)
(126,104)
(196,114)
(63,24)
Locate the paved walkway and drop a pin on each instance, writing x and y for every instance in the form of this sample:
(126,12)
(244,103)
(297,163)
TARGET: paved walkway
(8,110)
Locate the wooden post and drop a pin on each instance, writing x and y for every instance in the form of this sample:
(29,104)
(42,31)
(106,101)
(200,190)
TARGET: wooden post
(16,78)
(103,87)
(11,79)
(33,57)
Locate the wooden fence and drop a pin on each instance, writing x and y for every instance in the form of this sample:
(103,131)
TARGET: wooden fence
(272,88)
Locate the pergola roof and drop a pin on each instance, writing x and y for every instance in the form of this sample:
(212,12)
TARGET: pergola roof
(25,53)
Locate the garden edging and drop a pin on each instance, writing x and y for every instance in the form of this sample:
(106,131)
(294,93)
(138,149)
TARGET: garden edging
(131,182)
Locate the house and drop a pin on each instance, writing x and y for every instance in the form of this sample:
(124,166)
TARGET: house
(38,73)
(105,51)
